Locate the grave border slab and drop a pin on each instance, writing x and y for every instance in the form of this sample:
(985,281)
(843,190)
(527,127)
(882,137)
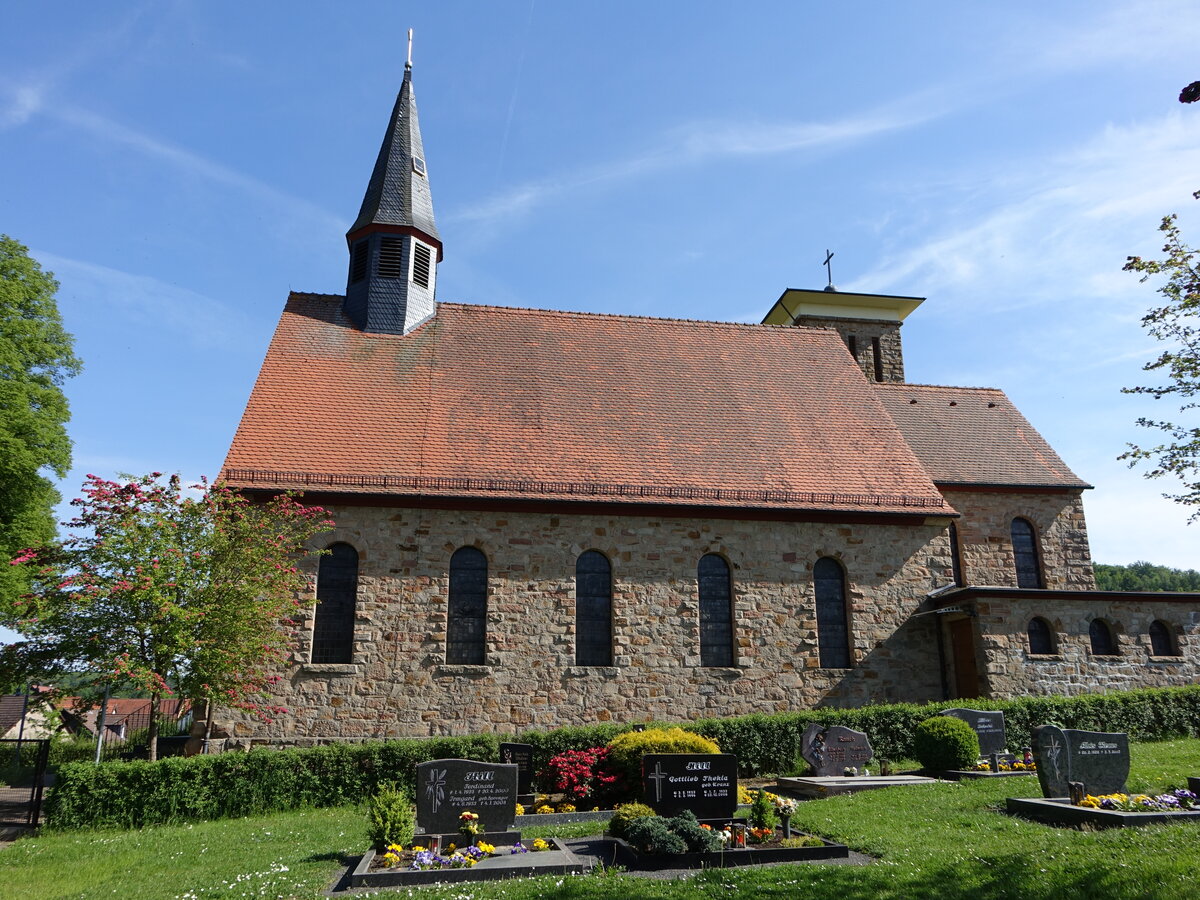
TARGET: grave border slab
(1059,811)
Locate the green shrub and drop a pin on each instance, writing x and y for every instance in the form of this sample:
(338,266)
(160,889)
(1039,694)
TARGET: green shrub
(944,743)
(625,751)
(626,813)
(762,811)
(653,836)
(697,839)
(391,817)
(807,840)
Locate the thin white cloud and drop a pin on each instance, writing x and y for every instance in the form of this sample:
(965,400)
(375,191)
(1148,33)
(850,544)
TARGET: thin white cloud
(702,142)
(191,317)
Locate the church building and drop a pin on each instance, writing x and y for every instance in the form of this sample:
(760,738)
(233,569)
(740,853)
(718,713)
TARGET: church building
(548,518)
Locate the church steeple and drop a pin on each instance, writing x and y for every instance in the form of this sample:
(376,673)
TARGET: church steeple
(394,244)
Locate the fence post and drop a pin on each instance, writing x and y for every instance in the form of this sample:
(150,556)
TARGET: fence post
(100,724)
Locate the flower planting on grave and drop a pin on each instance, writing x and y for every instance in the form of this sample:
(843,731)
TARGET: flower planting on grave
(1172,801)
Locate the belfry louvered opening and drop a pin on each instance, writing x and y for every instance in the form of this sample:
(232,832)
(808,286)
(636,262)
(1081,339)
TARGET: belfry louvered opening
(422,259)
(391,257)
(358,261)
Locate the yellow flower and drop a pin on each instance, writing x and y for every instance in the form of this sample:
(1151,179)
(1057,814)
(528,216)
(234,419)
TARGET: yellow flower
(520,810)
(539,844)
(450,848)
(543,809)
(566,807)
(486,847)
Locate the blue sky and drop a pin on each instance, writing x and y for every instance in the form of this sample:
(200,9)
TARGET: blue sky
(181,166)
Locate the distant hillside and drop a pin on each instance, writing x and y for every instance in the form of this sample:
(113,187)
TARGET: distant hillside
(1143,576)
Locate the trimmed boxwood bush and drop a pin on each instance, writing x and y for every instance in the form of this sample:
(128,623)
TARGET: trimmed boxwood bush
(625,752)
(391,817)
(627,813)
(944,743)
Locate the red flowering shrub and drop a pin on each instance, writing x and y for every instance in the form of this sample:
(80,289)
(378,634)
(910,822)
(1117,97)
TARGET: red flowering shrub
(585,777)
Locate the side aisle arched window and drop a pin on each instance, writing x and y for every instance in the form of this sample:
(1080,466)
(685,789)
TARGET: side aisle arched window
(716,611)
(337,592)
(833,626)
(593,610)
(466,608)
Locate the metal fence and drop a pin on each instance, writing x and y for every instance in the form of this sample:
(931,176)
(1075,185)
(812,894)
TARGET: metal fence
(128,737)
(22,781)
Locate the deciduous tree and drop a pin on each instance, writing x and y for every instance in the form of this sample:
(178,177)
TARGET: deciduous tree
(170,589)
(1177,324)
(35,359)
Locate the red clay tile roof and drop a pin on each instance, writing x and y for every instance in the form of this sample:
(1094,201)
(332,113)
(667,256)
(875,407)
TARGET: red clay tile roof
(494,402)
(974,436)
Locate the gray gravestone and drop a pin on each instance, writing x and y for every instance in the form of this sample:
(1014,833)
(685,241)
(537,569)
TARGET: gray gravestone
(705,783)
(831,750)
(446,788)
(989,726)
(520,755)
(1098,759)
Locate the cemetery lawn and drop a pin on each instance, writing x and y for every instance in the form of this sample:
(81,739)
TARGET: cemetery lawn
(941,841)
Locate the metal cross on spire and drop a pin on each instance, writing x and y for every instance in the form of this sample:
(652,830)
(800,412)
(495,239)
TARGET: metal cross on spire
(408,62)
(829,270)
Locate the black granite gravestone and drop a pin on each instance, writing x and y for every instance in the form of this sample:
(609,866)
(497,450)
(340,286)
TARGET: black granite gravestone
(989,726)
(1098,759)
(705,783)
(520,755)
(446,788)
(830,751)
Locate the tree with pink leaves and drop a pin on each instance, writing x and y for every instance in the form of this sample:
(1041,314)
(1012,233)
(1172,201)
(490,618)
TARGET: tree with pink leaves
(171,589)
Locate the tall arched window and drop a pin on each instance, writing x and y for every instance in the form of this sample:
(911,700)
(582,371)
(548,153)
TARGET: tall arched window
(1103,641)
(466,611)
(1029,568)
(955,556)
(593,610)
(337,588)
(716,611)
(1161,641)
(833,627)
(1041,637)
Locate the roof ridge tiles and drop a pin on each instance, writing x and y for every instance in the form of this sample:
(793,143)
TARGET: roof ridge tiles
(904,385)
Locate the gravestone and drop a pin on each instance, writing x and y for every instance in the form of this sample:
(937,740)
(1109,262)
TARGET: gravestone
(1098,759)
(705,783)
(446,788)
(831,750)
(520,755)
(989,726)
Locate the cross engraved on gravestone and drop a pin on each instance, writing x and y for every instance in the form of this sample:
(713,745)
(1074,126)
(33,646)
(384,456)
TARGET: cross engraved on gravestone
(705,783)
(988,726)
(450,787)
(1097,759)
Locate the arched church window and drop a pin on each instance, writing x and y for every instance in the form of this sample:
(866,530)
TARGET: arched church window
(466,609)
(593,610)
(1024,543)
(955,556)
(337,590)
(833,627)
(1041,637)
(716,611)
(1103,641)
(1161,641)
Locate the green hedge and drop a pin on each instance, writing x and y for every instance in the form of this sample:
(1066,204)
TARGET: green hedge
(134,794)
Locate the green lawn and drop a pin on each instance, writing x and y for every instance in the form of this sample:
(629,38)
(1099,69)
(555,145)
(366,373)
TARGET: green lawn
(943,841)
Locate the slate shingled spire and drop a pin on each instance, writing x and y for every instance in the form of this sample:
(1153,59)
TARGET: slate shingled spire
(394,243)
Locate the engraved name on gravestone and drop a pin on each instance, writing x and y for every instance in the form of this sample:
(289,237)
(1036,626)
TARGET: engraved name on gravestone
(830,751)
(705,783)
(988,725)
(1099,759)
(520,755)
(446,788)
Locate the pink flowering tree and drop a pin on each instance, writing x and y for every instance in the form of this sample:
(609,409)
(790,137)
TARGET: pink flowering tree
(171,589)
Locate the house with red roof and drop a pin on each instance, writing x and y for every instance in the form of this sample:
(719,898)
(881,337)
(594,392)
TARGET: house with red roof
(548,518)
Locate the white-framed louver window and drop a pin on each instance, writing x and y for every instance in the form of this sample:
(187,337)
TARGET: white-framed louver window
(422,264)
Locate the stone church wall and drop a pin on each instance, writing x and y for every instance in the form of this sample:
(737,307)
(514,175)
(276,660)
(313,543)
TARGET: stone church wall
(985,537)
(399,684)
(1010,670)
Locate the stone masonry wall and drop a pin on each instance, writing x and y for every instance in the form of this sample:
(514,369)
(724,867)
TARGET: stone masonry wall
(864,331)
(985,537)
(1010,670)
(400,685)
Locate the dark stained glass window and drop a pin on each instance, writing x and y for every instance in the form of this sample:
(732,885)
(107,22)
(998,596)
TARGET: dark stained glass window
(466,628)
(1161,643)
(1029,569)
(1041,637)
(337,587)
(955,556)
(593,610)
(1103,642)
(716,611)
(833,632)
